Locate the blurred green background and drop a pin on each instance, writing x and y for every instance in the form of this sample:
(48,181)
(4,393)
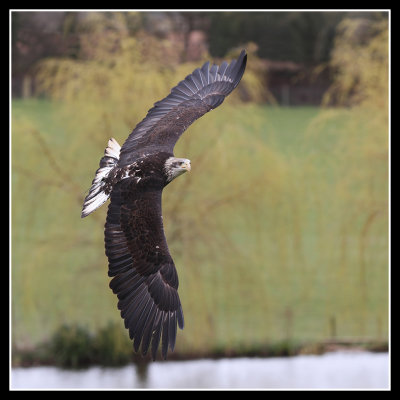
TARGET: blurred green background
(280,233)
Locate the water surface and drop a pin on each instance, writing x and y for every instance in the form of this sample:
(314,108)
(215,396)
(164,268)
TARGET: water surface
(340,370)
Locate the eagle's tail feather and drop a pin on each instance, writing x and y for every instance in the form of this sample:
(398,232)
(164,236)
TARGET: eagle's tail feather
(97,195)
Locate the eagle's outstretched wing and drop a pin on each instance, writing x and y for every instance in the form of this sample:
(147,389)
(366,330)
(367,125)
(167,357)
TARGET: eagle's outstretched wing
(200,92)
(144,274)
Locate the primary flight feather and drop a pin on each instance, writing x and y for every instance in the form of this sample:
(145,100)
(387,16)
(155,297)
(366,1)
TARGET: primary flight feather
(133,176)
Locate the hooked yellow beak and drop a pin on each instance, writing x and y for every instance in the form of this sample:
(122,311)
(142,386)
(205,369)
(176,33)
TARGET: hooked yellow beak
(186,165)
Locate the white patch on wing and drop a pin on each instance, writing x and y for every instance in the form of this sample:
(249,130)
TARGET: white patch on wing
(113,149)
(89,206)
(97,195)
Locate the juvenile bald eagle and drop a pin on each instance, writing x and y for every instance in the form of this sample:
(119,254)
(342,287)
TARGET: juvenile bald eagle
(143,273)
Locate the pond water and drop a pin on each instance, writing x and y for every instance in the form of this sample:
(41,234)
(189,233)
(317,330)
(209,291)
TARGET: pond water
(339,370)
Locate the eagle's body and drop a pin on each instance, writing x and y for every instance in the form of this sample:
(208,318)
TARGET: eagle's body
(133,177)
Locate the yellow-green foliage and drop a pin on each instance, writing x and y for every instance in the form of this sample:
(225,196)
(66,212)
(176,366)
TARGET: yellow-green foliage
(359,159)
(360,60)
(119,79)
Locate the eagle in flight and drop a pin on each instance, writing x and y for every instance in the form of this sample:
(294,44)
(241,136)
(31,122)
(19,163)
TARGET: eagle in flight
(133,176)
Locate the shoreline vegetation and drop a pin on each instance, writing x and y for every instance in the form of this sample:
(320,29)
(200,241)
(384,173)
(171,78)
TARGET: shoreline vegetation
(74,347)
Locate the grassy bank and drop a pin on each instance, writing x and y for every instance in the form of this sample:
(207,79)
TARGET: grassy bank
(76,347)
(279,235)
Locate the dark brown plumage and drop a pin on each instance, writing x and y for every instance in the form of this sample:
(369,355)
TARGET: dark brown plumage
(143,273)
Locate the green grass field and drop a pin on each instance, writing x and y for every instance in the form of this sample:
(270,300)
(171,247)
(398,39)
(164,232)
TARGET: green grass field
(279,233)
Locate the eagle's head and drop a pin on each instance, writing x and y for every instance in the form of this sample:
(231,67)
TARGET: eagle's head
(174,167)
